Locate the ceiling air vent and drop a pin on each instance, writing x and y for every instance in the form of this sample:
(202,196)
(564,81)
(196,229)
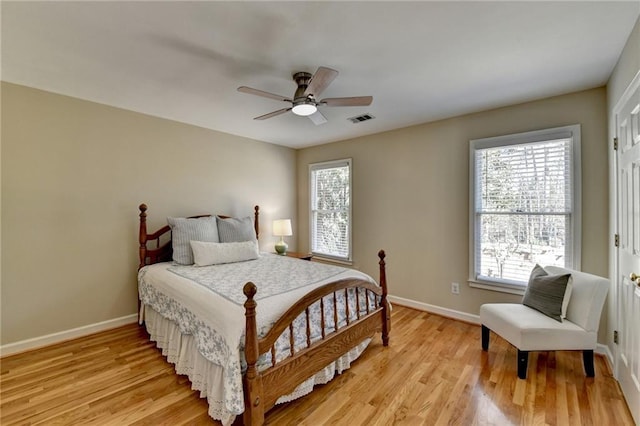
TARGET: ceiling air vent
(361,118)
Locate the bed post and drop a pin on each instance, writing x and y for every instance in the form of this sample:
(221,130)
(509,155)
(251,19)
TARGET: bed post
(256,222)
(386,314)
(253,404)
(143,235)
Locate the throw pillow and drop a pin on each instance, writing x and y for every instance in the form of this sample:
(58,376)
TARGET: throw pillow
(233,230)
(184,230)
(205,254)
(545,293)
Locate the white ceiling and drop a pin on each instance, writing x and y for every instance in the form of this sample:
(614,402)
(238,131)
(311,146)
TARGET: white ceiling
(421,61)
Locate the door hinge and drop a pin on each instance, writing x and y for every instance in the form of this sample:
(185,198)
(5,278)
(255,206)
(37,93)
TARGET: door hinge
(615,336)
(616,240)
(615,144)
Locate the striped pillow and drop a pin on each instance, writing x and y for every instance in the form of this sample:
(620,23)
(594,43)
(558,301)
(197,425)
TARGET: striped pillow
(183,230)
(234,230)
(545,293)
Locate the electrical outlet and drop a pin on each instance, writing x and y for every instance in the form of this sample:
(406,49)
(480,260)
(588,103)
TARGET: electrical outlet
(455,288)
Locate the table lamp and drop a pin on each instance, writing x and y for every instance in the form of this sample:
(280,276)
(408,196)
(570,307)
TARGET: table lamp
(282,228)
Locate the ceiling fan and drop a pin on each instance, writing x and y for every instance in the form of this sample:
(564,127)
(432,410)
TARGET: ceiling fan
(304,101)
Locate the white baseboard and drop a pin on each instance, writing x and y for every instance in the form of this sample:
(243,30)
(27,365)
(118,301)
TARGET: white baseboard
(445,312)
(50,339)
(474,319)
(606,352)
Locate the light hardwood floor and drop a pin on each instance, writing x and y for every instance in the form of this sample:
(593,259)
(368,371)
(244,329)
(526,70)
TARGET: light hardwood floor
(433,372)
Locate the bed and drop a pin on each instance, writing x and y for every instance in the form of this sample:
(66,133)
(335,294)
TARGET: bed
(258,332)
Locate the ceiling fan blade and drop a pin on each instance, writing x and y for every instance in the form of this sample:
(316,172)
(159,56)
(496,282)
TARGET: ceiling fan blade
(251,91)
(352,101)
(273,114)
(320,81)
(317,118)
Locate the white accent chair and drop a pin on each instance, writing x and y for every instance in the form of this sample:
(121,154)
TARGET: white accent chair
(530,330)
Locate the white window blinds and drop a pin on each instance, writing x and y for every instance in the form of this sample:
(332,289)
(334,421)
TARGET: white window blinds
(331,209)
(524,198)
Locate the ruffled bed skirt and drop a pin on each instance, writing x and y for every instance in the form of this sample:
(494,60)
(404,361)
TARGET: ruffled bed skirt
(206,377)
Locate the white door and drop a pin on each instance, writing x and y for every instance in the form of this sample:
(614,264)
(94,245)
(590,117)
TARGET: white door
(628,208)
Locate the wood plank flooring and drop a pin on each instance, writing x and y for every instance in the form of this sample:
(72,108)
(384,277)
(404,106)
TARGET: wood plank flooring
(433,373)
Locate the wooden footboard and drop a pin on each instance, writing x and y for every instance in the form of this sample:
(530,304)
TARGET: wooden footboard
(263,388)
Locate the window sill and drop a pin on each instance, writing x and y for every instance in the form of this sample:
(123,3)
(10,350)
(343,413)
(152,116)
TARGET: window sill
(324,259)
(501,288)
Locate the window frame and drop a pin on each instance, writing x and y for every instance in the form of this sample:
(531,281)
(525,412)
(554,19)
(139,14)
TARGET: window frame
(565,132)
(323,166)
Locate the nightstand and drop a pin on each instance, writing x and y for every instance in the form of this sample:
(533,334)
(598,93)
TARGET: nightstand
(303,256)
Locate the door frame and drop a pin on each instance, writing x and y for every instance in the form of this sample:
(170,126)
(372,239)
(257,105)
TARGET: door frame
(613,308)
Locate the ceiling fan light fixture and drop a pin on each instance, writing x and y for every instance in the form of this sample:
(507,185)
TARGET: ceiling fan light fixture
(304,109)
(304,103)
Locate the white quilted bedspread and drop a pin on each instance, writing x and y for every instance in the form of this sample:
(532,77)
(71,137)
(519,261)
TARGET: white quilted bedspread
(206,302)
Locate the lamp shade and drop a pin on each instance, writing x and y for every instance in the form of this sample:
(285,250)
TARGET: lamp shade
(282,228)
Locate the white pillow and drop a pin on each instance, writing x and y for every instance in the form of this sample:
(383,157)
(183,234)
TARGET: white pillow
(207,253)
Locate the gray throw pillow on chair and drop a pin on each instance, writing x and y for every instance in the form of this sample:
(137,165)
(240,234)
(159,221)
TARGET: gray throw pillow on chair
(545,293)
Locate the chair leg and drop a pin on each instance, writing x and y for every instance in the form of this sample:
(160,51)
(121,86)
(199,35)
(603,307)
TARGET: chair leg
(587,358)
(485,338)
(523,361)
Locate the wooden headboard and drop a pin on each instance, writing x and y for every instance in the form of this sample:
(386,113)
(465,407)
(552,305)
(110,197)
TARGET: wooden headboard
(156,247)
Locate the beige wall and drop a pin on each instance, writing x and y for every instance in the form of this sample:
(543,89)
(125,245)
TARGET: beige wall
(411,195)
(73,175)
(626,69)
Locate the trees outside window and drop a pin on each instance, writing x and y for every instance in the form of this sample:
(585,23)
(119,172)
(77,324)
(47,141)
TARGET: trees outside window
(524,204)
(330,221)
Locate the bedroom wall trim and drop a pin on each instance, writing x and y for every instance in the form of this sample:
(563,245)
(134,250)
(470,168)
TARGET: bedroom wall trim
(608,355)
(51,339)
(445,312)
(473,319)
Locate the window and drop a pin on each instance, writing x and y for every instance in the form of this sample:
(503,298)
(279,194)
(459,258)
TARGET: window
(525,206)
(331,209)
